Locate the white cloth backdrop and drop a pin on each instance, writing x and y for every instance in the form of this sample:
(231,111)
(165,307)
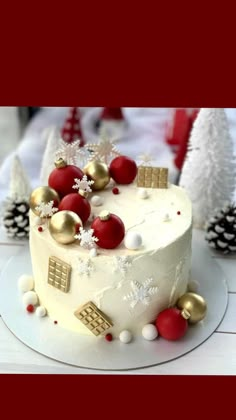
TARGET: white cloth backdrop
(145,134)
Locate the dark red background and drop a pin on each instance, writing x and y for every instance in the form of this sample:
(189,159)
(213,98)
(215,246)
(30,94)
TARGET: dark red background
(69,54)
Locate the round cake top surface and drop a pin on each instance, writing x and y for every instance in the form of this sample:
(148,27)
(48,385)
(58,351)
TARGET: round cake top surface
(160,218)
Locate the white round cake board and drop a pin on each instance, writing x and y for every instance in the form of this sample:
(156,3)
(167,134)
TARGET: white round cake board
(42,335)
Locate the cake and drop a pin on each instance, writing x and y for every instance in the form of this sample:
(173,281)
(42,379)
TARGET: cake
(93,290)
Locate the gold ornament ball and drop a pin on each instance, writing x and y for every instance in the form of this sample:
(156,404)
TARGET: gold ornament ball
(63,226)
(99,173)
(43,194)
(195,305)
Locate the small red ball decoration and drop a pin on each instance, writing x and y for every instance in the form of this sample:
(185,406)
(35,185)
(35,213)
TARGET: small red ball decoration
(178,212)
(40,229)
(108,337)
(109,229)
(62,178)
(123,170)
(30,308)
(76,203)
(115,190)
(171,324)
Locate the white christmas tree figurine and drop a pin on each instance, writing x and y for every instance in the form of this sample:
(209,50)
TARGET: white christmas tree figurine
(83,184)
(19,183)
(52,145)
(208,173)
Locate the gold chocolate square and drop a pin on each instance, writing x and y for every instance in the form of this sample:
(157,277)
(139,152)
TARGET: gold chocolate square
(94,319)
(59,274)
(152,177)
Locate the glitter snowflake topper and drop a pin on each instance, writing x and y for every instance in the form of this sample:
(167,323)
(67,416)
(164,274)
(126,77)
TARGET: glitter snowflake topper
(84,267)
(72,153)
(46,209)
(141,293)
(83,184)
(104,151)
(87,240)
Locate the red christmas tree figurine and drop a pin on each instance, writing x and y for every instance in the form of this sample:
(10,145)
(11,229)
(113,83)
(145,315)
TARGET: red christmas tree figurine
(71,129)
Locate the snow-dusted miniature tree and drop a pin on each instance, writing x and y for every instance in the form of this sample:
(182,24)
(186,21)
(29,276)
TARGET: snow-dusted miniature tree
(208,173)
(53,143)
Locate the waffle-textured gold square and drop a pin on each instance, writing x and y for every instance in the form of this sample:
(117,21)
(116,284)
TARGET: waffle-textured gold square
(94,319)
(59,274)
(152,177)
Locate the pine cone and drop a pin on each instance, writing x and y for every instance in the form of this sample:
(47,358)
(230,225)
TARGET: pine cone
(221,230)
(16,219)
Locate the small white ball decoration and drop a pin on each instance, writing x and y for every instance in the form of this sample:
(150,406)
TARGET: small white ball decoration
(133,240)
(41,311)
(93,252)
(25,283)
(30,298)
(142,193)
(149,332)
(96,200)
(166,218)
(125,336)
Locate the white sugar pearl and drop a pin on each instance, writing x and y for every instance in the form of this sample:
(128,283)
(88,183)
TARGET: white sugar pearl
(166,218)
(133,240)
(125,336)
(41,311)
(142,193)
(93,252)
(25,283)
(149,332)
(96,200)
(30,298)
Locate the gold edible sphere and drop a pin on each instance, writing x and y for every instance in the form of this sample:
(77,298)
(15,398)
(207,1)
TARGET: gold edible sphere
(99,173)
(43,194)
(63,226)
(195,305)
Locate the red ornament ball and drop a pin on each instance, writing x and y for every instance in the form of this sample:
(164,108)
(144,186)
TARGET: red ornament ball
(109,229)
(40,229)
(76,203)
(170,324)
(108,337)
(30,308)
(123,170)
(115,190)
(62,179)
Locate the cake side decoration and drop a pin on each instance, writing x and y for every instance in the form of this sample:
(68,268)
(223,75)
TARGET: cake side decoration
(141,293)
(59,273)
(93,318)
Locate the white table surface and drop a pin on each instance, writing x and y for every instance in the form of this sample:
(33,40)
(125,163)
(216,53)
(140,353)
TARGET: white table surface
(216,356)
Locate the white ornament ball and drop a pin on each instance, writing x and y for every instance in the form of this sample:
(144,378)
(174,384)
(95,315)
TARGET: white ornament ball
(25,283)
(133,240)
(125,336)
(96,200)
(142,193)
(93,252)
(149,332)
(30,298)
(41,311)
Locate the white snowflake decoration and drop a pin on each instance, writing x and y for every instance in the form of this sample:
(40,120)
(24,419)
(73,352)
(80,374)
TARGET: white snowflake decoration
(83,184)
(141,292)
(103,151)
(46,209)
(122,264)
(84,267)
(72,153)
(145,159)
(87,240)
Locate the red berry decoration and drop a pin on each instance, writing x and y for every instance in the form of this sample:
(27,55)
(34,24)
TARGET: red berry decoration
(78,204)
(109,229)
(115,190)
(40,229)
(178,212)
(30,308)
(108,337)
(172,323)
(123,170)
(62,178)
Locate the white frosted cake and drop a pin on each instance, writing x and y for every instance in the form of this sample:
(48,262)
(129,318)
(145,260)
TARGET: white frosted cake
(127,287)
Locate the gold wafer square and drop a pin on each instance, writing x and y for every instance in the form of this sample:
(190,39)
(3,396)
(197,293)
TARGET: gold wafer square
(94,319)
(59,274)
(152,177)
